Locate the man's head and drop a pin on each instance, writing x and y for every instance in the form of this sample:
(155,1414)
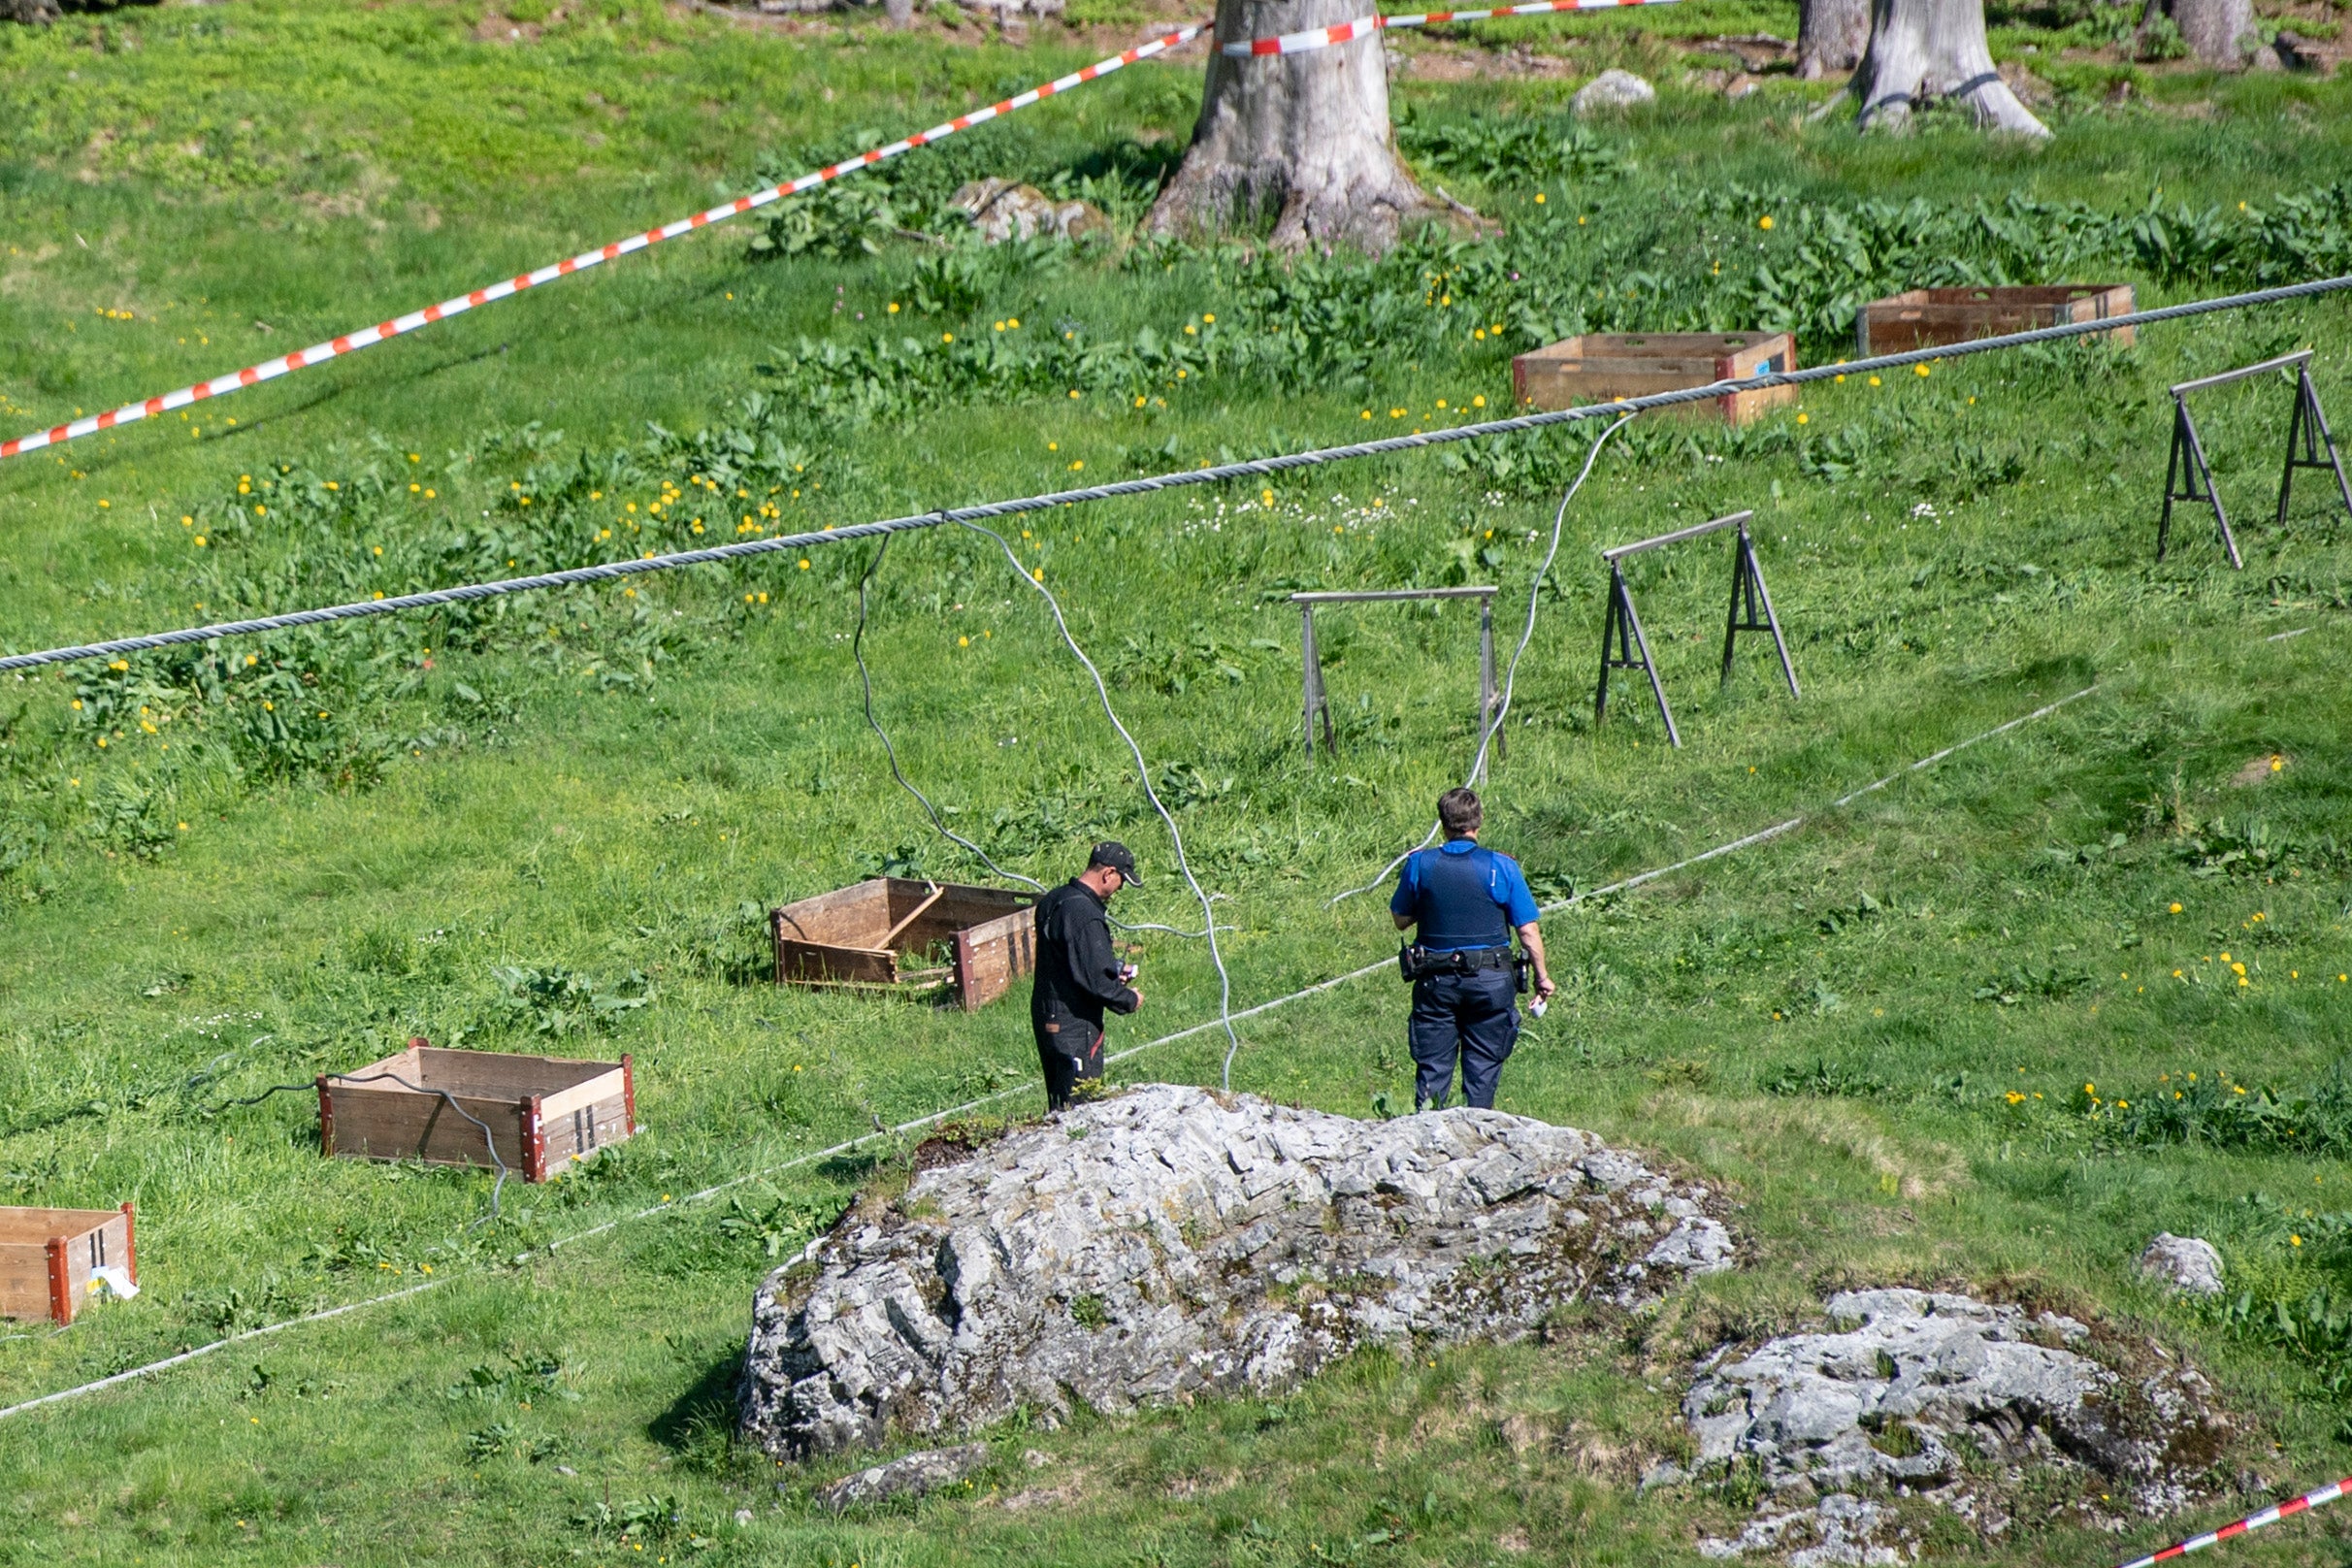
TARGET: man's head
(1459,814)
(1109,868)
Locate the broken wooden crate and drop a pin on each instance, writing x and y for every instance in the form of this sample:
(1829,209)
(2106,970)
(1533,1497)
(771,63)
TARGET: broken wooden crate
(897,931)
(1600,366)
(50,1258)
(1930,318)
(542,1112)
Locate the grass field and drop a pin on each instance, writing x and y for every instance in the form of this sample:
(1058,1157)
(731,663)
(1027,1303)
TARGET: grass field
(1919,1039)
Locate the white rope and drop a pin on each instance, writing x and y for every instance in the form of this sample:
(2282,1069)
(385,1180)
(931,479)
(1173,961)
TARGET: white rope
(1502,709)
(1143,776)
(866,684)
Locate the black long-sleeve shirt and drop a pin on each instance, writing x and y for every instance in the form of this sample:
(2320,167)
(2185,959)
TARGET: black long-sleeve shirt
(1077,968)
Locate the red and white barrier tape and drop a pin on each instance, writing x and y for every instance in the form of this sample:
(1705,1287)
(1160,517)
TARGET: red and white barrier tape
(1326,37)
(368,337)
(2251,1522)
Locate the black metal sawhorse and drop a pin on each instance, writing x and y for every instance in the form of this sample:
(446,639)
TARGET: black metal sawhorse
(2188,477)
(1625,646)
(1316,698)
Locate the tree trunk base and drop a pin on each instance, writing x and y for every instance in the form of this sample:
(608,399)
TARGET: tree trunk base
(1301,141)
(1923,50)
(1311,207)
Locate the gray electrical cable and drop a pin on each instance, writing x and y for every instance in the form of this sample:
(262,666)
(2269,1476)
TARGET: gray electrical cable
(489,1141)
(1143,776)
(1502,708)
(612,570)
(865,681)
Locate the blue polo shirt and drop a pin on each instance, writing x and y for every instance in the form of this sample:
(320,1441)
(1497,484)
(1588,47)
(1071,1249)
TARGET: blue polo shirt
(1505,884)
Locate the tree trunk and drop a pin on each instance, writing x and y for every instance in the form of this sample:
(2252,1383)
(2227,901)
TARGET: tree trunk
(1935,49)
(28,11)
(1831,36)
(2214,30)
(1302,138)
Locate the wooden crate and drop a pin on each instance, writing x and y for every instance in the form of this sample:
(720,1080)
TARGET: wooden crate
(894,932)
(1930,318)
(543,1112)
(48,1257)
(1600,366)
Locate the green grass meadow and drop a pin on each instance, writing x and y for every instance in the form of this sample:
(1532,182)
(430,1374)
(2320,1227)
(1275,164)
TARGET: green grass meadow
(1942,1034)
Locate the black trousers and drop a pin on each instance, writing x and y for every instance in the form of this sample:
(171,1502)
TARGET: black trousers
(1071,1054)
(1473,1017)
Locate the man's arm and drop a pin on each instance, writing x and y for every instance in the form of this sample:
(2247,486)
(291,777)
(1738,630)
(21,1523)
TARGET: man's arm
(1520,907)
(1532,940)
(1095,965)
(1404,906)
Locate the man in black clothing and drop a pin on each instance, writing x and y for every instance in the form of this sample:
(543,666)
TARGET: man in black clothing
(1079,974)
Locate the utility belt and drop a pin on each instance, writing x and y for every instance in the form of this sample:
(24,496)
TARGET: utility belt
(1415,962)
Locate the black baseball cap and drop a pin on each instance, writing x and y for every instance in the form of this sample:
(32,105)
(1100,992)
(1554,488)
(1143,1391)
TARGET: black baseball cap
(1118,858)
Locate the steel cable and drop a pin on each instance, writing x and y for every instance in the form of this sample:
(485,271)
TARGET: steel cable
(1217,473)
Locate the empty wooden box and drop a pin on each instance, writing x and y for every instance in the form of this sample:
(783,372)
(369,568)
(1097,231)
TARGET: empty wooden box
(894,932)
(1599,367)
(542,1112)
(48,1257)
(1930,318)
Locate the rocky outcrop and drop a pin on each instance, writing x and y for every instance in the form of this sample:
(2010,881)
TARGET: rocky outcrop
(1170,1242)
(1945,1398)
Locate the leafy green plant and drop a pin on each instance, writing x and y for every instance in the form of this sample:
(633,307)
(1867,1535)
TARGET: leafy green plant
(2021,982)
(1514,151)
(558,1002)
(1825,1079)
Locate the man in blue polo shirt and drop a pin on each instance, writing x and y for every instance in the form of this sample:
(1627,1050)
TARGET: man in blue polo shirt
(1466,901)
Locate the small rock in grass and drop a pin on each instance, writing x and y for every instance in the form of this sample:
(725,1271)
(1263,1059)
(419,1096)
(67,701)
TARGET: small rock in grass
(1005,210)
(2188,1264)
(909,1476)
(1664,1473)
(1612,89)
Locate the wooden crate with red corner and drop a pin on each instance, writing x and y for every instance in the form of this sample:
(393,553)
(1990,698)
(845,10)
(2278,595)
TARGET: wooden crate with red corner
(1932,317)
(970,943)
(50,1258)
(1603,367)
(543,1113)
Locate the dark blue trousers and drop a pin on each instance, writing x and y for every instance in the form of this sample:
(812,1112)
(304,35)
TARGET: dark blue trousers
(1470,1016)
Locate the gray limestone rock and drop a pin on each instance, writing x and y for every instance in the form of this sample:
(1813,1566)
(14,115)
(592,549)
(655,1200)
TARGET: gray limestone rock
(1905,1388)
(2188,1264)
(1005,210)
(909,1476)
(1612,89)
(1170,1242)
